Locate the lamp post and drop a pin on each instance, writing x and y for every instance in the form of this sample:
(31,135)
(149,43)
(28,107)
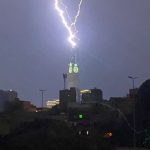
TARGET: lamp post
(134,126)
(132,78)
(42,91)
(64,77)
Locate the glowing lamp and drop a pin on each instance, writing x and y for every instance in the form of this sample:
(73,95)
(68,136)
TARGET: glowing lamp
(80,116)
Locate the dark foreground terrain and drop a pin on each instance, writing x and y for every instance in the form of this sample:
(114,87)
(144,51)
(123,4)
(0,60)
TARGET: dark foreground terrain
(48,134)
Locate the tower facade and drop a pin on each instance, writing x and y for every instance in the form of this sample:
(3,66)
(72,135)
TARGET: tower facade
(73,74)
(72,80)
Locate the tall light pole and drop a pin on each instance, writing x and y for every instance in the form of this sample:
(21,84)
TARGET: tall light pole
(64,77)
(132,78)
(134,126)
(42,91)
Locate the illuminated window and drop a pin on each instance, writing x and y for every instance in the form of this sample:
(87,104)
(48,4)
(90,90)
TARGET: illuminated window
(108,134)
(79,132)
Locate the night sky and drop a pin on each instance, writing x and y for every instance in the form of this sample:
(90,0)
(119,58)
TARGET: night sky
(114,43)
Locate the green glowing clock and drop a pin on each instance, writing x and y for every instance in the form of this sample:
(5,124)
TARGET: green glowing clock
(70,68)
(76,69)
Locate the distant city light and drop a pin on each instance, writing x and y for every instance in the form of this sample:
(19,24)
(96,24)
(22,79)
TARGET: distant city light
(85,91)
(87,132)
(108,134)
(52,103)
(80,116)
(79,132)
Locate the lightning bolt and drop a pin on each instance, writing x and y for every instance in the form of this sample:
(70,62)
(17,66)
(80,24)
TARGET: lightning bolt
(71,27)
(78,13)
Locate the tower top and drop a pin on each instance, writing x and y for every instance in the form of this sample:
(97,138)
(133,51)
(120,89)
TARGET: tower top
(73,59)
(73,66)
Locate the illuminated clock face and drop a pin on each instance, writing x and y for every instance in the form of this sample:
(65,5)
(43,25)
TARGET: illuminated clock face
(70,68)
(75,69)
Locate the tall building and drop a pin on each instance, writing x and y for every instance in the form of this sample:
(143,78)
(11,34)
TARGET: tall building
(72,80)
(52,103)
(6,97)
(73,74)
(92,95)
(66,97)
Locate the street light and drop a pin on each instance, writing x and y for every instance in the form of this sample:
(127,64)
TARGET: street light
(134,126)
(64,77)
(132,78)
(42,91)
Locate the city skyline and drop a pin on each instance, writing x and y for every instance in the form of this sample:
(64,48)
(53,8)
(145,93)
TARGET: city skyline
(114,44)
